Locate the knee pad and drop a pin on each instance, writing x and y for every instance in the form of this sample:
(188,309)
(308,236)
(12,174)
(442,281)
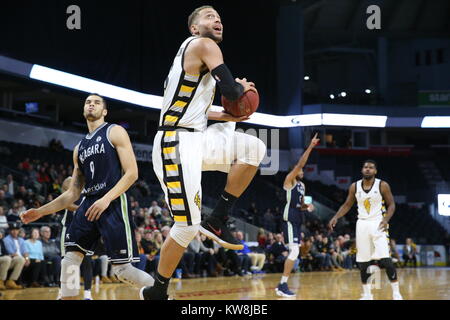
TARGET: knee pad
(183,235)
(133,276)
(364,268)
(390,268)
(293,252)
(70,274)
(249,149)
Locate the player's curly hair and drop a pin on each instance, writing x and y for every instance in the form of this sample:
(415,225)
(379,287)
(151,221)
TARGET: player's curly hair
(193,16)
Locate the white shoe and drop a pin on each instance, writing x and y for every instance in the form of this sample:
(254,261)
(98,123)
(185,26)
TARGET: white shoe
(397,296)
(87,295)
(59,297)
(366,297)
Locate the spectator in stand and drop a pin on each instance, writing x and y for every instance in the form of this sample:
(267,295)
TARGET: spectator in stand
(22,194)
(320,255)
(165,232)
(193,256)
(277,254)
(270,240)
(15,247)
(4,202)
(25,164)
(11,186)
(43,177)
(5,261)
(335,252)
(208,260)
(345,252)
(3,219)
(13,213)
(409,253)
(244,258)
(32,174)
(257,260)
(36,255)
(21,206)
(261,238)
(139,219)
(155,211)
(52,257)
(141,265)
(305,255)
(165,217)
(394,253)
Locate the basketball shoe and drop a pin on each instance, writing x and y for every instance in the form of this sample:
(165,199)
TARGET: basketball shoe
(217,230)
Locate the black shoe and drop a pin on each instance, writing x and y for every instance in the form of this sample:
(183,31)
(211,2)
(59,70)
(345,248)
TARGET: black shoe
(217,230)
(149,293)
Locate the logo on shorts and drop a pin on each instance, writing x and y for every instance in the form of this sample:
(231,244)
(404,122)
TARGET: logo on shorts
(99,139)
(124,251)
(198,200)
(67,236)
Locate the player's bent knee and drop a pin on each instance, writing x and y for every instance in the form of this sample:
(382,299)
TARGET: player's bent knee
(293,252)
(70,274)
(364,268)
(390,268)
(251,150)
(183,235)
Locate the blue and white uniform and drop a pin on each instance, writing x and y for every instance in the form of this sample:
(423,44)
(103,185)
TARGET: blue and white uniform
(292,216)
(99,162)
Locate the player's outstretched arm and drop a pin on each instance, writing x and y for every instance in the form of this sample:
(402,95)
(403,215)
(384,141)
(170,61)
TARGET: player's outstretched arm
(345,207)
(121,141)
(289,181)
(386,192)
(65,200)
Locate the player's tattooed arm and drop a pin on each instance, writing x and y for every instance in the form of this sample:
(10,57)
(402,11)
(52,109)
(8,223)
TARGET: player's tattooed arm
(65,200)
(345,208)
(386,192)
(121,141)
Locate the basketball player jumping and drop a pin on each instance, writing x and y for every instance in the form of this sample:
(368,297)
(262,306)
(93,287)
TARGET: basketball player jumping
(184,145)
(292,216)
(104,169)
(372,241)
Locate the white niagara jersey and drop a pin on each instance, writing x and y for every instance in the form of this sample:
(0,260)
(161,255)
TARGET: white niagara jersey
(371,242)
(187,97)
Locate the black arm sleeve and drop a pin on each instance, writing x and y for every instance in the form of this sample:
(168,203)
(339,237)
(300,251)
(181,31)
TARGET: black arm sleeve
(229,88)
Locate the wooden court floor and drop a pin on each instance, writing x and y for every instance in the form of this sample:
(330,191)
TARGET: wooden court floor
(415,284)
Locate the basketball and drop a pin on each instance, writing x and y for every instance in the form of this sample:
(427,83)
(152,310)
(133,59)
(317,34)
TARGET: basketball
(244,106)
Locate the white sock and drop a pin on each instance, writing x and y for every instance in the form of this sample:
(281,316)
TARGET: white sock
(366,289)
(284,279)
(395,287)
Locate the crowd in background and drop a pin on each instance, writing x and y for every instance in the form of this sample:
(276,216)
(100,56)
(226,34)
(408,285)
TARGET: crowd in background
(31,255)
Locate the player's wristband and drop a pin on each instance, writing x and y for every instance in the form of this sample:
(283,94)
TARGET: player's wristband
(229,88)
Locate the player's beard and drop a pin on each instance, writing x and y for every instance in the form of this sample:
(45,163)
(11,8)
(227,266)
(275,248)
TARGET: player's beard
(209,34)
(368,177)
(89,116)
